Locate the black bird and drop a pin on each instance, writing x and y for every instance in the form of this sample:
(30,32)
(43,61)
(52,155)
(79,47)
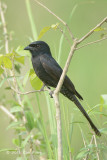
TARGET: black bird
(49,71)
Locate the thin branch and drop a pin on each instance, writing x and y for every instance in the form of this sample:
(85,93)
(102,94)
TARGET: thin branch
(87,44)
(64,35)
(86,158)
(57,104)
(59,85)
(6,111)
(90,32)
(12,71)
(4,29)
(98,158)
(63,22)
(29,92)
(83,138)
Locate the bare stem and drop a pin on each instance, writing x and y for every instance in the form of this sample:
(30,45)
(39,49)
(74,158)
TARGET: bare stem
(90,32)
(60,83)
(29,92)
(12,73)
(61,80)
(65,35)
(63,22)
(96,147)
(57,104)
(86,158)
(6,111)
(4,28)
(87,44)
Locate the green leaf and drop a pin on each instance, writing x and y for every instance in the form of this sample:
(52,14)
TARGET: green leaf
(13,124)
(82,154)
(103,101)
(98,112)
(20,59)
(25,141)
(20,51)
(104,97)
(99,29)
(105,123)
(16,109)
(7,149)
(16,142)
(1,70)
(7,62)
(10,55)
(26,78)
(1,59)
(35,81)
(2,82)
(30,120)
(43,31)
(103,130)
(17,67)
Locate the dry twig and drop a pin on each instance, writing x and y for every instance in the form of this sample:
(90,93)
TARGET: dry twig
(63,22)
(6,111)
(60,83)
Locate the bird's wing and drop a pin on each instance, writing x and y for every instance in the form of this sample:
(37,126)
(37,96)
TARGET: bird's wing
(51,67)
(54,71)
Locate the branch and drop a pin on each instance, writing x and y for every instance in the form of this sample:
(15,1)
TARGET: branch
(12,71)
(96,147)
(29,92)
(87,44)
(57,104)
(90,32)
(64,35)
(86,158)
(63,22)
(59,85)
(5,110)
(4,29)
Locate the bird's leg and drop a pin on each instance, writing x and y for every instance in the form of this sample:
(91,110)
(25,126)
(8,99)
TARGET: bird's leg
(42,89)
(51,93)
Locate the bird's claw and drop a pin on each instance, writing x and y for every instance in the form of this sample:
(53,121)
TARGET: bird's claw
(51,94)
(42,89)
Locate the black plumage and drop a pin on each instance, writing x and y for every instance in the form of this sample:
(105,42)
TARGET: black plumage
(49,71)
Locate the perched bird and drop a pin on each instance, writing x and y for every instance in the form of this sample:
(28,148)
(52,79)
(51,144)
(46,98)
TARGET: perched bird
(49,71)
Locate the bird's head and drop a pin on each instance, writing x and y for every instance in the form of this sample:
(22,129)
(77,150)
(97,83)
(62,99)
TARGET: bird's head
(38,47)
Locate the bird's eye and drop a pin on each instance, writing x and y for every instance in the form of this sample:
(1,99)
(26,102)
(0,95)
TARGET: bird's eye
(37,46)
(32,45)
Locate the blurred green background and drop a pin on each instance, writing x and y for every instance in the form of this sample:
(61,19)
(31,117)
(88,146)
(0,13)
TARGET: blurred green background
(88,68)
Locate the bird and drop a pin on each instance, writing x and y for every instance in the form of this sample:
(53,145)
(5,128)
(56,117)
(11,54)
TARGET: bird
(49,72)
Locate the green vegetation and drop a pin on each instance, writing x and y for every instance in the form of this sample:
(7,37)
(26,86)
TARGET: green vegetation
(29,122)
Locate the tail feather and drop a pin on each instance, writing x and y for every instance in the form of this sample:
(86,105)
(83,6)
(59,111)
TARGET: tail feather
(77,103)
(78,95)
(72,97)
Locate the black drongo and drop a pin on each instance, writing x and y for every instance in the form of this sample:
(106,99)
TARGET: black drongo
(49,71)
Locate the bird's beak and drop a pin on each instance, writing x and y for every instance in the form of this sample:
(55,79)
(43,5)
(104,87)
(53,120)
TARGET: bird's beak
(27,48)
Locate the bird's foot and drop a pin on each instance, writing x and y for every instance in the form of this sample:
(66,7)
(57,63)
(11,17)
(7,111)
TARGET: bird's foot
(51,94)
(42,89)
(44,85)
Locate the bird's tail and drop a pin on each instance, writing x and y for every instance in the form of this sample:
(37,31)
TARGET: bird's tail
(77,103)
